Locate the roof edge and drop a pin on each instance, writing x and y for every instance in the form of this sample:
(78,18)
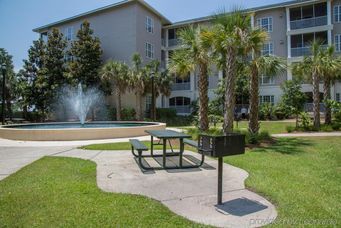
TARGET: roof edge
(114,5)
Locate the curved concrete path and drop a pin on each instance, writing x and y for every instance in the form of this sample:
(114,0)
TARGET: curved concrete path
(189,193)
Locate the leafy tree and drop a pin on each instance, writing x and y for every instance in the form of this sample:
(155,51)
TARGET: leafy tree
(53,70)
(116,74)
(312,68)
(138,83)
(10,83)
(194,53)
(86,52)
(34,91)
(293,98)
(228,40)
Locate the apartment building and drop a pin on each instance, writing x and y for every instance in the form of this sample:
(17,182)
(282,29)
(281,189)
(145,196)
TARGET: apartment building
(134,26)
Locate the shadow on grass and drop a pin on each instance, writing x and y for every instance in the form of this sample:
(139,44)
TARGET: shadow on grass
(285,146)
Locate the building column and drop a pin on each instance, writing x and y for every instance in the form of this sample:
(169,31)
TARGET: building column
(329,12)
(289,45)
(166,37)
(287,14)
(330,41)
(289,72)
(252,17)
(192,80)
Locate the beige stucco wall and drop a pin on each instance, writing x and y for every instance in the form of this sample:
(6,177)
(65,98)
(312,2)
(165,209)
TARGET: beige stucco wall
(277,36)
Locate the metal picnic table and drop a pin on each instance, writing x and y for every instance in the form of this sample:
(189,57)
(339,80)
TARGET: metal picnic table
(164,136)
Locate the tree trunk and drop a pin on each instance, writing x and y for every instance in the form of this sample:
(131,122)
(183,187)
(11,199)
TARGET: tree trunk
(118,104)
(316,100)
(9,109)
(154,109)
(254,100)
(230,90)
(203,98)
(25,112)
(327,96)
(139,107)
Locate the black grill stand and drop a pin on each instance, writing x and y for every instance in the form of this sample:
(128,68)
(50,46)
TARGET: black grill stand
(220,180)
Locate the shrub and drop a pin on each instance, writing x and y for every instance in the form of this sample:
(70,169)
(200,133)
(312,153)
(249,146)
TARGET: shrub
(214,119)
(128,114)
(304,121)
(290,129)
(165,113)
(336,126)
(266,111)
(281,112)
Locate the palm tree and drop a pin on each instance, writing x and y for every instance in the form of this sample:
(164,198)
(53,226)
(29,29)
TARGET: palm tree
(162,82)
(331,72)
(194,53)
(259,65)
(138,83)
(228,39)
(312,68)
(116,75)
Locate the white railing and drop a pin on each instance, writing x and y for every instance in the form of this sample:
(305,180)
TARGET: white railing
(173,42)
(309,107)
(308,22)
(181,86)
(186,109)
(303,51)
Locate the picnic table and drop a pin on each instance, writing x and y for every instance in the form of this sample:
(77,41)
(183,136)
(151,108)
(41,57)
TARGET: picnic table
(164,136)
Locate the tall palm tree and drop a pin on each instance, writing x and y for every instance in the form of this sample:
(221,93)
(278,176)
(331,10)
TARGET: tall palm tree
(331,66)
(138,83)
(194,53)
(259,65)
(228,39)
(312,68)
(116,75)
(162,82)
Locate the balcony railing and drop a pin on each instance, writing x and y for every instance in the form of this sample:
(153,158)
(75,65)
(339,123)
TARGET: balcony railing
(163,42)
(163,64)
(309,107)
(309,22)
(181,86)
(186,109)
(303,51)
(173,42)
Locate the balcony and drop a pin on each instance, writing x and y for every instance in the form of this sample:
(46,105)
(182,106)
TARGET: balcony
(173,42)
(163,64)
(185,109)
(163,42)
(181,86)
(309,22)
(303,51)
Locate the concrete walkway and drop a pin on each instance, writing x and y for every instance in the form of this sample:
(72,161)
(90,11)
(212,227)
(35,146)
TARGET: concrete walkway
(189,193)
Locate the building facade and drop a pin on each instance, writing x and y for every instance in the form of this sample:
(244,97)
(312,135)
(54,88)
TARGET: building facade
(134,26)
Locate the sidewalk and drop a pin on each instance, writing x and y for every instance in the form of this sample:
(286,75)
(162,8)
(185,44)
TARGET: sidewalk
(309,134)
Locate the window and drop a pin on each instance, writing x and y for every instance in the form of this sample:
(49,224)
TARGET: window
(68,58)
(149,51)
(69,33)
(265,23)
(337,42)
(337,13)
(179,101)
(337,97)
(267,99)
(149,24)
(148,102)
(266,80)
(268,49)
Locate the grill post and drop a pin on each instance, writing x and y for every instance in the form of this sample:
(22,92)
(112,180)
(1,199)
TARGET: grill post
(220,180)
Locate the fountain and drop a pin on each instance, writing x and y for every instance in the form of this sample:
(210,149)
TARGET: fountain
(80,101)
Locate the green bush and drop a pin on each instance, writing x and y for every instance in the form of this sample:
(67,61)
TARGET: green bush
(336,126)
(281,112)
(128,114)
(214,119)
(266,112)
(304,121)
(290,129)
(165,113)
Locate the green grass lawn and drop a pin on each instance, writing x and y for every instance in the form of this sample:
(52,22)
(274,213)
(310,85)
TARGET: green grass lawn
(272,127)
(62,192)
(300,176)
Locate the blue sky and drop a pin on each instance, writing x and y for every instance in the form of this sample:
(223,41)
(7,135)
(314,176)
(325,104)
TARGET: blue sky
(19,17)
